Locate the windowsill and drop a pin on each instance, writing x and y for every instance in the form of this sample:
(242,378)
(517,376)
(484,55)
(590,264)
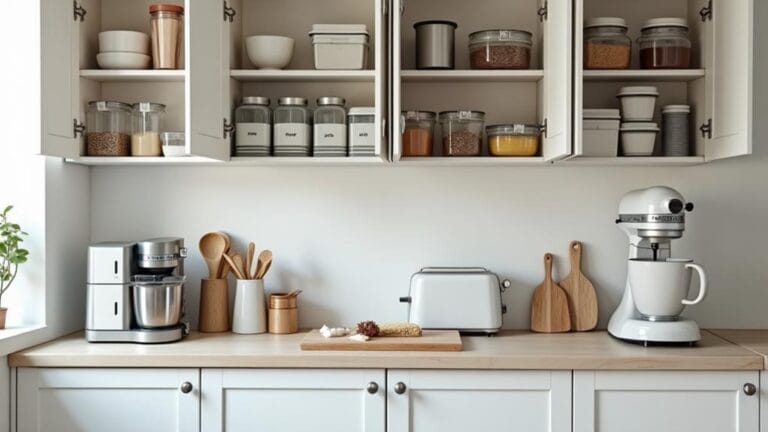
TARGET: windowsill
(13,339)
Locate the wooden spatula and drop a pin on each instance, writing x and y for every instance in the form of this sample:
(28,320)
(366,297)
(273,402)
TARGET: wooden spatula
(549,307)
(582,300)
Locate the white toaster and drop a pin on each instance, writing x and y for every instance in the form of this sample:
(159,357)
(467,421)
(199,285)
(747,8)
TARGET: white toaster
(467,299)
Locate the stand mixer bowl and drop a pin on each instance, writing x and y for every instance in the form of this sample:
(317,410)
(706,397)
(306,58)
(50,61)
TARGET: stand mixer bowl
(157,301)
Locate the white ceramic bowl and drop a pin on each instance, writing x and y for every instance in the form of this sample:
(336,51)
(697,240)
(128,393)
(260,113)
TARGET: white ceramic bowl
(638,103)
(269,52)
(638,139)
(123,60)
(124,41)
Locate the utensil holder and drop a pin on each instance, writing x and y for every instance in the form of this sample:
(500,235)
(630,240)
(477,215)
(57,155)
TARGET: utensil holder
(250,314)
(283,314)
(214,306)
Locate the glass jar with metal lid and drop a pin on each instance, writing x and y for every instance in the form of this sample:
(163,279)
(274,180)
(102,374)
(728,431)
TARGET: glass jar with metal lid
(108,129)
(253,127)
(462,132)
(665,44)
(418,130)
(513,139)
(330,127)
(292,127)
(606,44)
(147,119)
(500,49)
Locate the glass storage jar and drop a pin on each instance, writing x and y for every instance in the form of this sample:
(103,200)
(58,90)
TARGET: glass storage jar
(664,44)
(147,123)
(606,44)
(253,127)
(513,139)
(330,127)
(107,129)
(500,49)
(292,127)
(462,132)
(362,131)
(418,130)
(167,22)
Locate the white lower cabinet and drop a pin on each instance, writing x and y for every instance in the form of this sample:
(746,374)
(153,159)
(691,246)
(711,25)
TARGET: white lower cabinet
(115,400)
(460,401)
(665,401)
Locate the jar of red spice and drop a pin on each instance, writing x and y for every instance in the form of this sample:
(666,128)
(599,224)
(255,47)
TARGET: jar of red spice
(418,129)
(664,44)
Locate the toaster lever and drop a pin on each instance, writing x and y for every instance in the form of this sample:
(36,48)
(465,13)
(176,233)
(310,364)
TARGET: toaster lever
(405,299)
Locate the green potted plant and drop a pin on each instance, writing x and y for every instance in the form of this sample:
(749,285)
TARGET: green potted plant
(12,255)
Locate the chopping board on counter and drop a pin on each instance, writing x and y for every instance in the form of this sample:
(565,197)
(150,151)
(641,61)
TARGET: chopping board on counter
(430,340)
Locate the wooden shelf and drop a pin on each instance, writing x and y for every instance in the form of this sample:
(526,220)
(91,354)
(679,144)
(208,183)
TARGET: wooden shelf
(472,75)
(473,161)
(681,75)
(252,75)
(134,75)
(634,161)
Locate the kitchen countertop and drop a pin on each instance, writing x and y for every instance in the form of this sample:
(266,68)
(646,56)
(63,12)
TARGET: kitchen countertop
(508,350)
(753,340)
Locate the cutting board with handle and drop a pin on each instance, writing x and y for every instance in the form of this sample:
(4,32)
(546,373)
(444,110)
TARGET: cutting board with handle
(582,300)
(430,340)
(549,307)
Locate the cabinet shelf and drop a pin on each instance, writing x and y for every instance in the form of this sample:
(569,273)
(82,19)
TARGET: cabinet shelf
(534,75)
(143,161)
(133,75)
(666,75)
(306,75)
(306,161)
(473,161)
(635,161)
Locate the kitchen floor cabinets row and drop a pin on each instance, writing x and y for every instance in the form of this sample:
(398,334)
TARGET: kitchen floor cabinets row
(372,400)
(201,97)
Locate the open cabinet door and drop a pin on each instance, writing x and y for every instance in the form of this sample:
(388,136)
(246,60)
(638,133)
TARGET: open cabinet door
(395,56)
(730,63)
(381,99)
(208,80)
(59,78)
(557,82)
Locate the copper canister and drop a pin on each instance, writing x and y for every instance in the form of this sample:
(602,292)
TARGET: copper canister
(283,313)
(167,22)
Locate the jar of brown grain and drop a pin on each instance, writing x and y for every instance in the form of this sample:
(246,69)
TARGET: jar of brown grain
(462,132)
(418,129)
(500,49)
(606,44)
(108,128)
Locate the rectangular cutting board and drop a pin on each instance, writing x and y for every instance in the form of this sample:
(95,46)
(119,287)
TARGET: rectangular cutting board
(430,340)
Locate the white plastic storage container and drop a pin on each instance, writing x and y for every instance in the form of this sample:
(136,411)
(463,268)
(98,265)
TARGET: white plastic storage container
(340,46)
(638,138)
(362,131)
(601,132)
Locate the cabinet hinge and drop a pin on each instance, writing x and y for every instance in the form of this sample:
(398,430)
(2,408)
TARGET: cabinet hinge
(77,128)
(78,11)
(543,11)
(229,13)
(402,7)
(229,129)
(543,128)
(706,12)
(706,129)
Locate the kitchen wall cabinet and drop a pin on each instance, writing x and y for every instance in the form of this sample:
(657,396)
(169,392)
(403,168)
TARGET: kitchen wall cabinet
(448,401)
(665,401)
(97,400)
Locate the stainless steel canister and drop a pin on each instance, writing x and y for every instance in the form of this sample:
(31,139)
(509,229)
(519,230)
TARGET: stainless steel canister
(435,44)
(157,300)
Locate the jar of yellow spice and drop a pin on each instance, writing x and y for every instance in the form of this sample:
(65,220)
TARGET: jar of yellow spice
(513,139)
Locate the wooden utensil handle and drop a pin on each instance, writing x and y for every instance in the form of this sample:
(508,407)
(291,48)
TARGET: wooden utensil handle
(233,266)
(548,266)
(575,249)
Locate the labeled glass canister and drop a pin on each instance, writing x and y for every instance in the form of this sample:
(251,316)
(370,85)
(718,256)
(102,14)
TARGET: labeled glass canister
(418,133)
(513,139)
(108,128)
(330,127)
(362,131)
(500,49)
(253,127)
(292,129)
(606,44)
(147,124)
(665,44)
(167,22)
(462,132)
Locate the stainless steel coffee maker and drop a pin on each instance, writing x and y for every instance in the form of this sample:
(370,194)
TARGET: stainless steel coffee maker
(136,291)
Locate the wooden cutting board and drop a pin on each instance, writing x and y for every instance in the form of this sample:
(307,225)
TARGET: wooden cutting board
(430,340)
(549,307)
(582,300)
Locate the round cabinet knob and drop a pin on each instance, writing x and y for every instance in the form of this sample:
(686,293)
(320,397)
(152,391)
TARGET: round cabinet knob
(186,387)
(372,388)
(400,388)
(750,389)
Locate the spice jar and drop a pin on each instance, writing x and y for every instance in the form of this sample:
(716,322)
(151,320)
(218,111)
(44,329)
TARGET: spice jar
(292,128)
(253,127)
(606,44)
(418,130)
(283,313)
(664,44)
(362,131)
(500,49)
(462,132)
(108,128)
(166,21)
(147,118)
(330,127)
(513,139)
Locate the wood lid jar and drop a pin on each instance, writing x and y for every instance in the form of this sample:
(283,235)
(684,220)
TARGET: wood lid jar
(283,313)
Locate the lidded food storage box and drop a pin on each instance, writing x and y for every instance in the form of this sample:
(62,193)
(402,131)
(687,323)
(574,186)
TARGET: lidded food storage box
(362,131)
(147,118)
(173,144)
(418,130)
(108,129)
(253,127)
(340,46)
(665,44)
(462,132)
(606,44)
(513,139)
(500,49)
(330,127)
(601,132)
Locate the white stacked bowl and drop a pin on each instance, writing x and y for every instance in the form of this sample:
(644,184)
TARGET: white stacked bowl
(123,49)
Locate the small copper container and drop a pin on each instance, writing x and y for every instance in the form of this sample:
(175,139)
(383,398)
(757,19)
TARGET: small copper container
(283,313)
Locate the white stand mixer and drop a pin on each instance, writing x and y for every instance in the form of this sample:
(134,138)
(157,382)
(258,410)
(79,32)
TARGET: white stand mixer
(651,218)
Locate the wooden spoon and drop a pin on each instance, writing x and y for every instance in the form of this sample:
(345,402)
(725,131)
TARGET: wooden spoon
(249,261)
(224,266)
(549,307)
(582,300)
(240,265)
(263,264)
(212,247)
(233,266)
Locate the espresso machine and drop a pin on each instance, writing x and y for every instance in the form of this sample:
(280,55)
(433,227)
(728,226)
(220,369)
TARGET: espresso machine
(136,291)
(651,218)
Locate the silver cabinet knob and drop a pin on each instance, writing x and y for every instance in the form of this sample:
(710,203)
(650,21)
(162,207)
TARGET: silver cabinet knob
(186,387)
(372,388)
(400,388)
(750,389)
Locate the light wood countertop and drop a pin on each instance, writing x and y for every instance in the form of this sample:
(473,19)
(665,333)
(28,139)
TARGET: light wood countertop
(753,340)
(508,350)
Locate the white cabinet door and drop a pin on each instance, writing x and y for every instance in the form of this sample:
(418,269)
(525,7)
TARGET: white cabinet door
(208,80)
(296,400)
(115,400)
(642,401)
(557,83)
(59,80)
(460,401)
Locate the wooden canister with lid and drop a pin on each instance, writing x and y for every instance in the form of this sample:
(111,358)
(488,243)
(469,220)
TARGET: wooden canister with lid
(283,313)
